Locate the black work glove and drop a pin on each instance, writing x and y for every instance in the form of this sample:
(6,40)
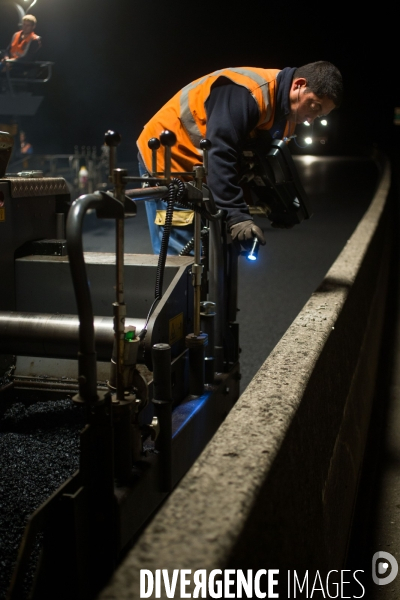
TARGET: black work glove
(245,232)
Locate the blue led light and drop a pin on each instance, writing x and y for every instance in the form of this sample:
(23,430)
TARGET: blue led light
(253,254)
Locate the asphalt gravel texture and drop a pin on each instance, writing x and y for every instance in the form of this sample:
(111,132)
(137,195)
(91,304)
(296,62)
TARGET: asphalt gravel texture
(39,448)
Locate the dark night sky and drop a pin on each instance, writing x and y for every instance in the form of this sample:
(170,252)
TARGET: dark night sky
(117,62)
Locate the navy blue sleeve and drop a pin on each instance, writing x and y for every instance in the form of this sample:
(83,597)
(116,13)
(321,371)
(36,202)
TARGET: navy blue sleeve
(232,113)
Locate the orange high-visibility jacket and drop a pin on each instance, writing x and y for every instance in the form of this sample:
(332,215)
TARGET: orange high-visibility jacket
(185,115)
(19,47)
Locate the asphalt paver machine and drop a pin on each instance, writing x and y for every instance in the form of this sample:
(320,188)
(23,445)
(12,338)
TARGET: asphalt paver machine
(147,346)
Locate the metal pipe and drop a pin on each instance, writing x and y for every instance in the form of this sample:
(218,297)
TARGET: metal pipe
(167,163)
(197,267)
(151,193)
(119,308)
(216,292)
(119,305)
(197,340)
(162,400)
(196,345)
(78,268)
(86,354)
(60,226)
(207,318)
(197,272)
(153,144)
(112,139)
(54,335)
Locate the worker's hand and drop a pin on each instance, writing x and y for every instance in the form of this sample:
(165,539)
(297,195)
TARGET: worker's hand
(245,232)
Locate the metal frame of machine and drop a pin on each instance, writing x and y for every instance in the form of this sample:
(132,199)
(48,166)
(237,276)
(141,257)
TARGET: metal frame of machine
(143,433)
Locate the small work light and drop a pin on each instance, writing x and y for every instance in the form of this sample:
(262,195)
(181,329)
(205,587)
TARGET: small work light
(253,254)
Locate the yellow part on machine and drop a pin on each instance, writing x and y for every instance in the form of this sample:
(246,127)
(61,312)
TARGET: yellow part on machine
(180,218)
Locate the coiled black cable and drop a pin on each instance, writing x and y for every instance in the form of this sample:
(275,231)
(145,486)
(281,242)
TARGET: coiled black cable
(186,250)
(173,194)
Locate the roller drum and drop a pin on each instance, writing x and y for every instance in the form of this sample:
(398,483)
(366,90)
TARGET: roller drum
(54,335)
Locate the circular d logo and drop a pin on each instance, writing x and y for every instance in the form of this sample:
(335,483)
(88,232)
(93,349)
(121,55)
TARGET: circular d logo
(384,568)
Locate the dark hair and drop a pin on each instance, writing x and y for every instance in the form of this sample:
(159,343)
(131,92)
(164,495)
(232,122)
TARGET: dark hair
(323,79)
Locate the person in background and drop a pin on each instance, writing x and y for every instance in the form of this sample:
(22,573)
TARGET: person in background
(25,150)
(24,43)
(25,147)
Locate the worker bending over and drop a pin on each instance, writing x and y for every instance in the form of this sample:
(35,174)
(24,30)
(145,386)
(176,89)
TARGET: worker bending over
(228,107)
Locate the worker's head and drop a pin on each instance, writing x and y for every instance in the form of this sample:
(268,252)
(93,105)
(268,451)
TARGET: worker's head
(317,88)
(28,23)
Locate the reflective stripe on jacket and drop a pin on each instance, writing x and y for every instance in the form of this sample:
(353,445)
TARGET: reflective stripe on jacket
(185,115)
(19,47)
